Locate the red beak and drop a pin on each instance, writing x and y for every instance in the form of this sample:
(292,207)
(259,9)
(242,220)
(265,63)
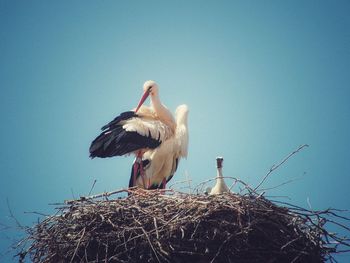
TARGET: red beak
(142,100)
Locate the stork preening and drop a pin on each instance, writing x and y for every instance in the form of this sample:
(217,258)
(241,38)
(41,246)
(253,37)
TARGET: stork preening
(220,186)
(152,134)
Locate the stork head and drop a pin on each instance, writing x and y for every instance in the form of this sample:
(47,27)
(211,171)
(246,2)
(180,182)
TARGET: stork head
(149,88)
(219,161)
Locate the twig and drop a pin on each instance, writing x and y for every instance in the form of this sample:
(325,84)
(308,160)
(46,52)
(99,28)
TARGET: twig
(36,213)
(150,243)
(11,214)
(106,194)
(282,184)
(76,249)
(179,182)
(92,187)
(189,182)
(71,190)
(274,167)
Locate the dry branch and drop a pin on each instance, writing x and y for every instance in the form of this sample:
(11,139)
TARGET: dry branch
(274,167)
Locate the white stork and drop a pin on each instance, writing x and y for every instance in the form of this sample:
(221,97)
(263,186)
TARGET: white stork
(145,131)
(220,186)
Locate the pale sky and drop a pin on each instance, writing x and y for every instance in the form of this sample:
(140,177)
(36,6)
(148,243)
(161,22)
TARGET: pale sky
(260,79)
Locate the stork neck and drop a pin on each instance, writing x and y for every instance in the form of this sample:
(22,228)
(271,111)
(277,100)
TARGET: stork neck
(219,173)
(156,104)
(220,183)
(162,112)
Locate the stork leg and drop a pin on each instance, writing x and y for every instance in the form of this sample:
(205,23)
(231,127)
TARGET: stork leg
(135,168)
(138,166)
(164,183)
(142,171)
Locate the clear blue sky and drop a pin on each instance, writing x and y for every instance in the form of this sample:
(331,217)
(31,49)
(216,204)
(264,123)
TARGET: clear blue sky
(260,78)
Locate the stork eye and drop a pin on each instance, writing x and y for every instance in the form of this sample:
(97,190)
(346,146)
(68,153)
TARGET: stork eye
(150,88)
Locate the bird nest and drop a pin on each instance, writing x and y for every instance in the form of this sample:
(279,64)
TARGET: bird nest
(150,226)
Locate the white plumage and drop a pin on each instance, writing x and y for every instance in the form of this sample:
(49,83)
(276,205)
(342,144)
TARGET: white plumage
(162,162)
(148,127)
(220,186)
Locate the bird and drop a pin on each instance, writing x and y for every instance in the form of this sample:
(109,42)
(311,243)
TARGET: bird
(160,164)
(220,186)
(140,131)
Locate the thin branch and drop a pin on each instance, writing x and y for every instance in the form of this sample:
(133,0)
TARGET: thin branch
(11,214)
(92,187)
(106,194)
(274,167)
(282,184)
(76,249)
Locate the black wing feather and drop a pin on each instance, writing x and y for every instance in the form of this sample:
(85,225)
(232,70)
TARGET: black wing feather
(122,117)
(115,141)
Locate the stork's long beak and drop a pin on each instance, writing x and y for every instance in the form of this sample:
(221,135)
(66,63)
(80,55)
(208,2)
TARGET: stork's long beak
(142,100)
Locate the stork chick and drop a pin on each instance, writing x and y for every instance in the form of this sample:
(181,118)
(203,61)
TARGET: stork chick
(220,186)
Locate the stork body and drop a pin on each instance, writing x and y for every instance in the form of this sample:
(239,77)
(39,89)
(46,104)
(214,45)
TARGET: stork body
(141,131)
(220,186)
(161,163)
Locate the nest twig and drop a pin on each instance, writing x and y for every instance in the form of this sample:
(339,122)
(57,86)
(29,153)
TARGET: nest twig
(149,226)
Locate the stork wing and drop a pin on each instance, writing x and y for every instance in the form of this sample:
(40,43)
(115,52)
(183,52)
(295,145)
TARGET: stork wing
(127,133)
(123,116)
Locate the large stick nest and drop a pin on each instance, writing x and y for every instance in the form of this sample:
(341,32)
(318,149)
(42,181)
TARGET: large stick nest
(148,226)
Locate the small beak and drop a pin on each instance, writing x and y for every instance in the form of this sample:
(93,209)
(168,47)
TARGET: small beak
(142,100)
